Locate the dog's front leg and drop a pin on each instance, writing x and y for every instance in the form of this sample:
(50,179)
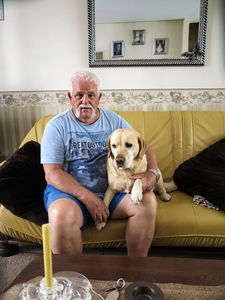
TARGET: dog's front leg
(109,194)
(136,193)
(160,188)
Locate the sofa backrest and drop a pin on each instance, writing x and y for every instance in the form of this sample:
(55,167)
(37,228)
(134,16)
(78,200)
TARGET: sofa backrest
(175,136)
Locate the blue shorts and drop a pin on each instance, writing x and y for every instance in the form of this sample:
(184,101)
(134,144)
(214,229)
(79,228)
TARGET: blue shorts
(51,194)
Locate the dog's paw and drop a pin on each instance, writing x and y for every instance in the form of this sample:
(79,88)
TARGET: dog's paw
(99,225)
(136,196)
(165,197)
(136,193)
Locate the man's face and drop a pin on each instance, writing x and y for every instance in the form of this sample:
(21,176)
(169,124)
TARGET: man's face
(85,101)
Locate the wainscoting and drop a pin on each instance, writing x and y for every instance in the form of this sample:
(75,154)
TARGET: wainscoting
(19,111)
(16,122)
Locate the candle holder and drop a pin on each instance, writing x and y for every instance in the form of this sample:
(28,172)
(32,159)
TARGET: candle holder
(67,285)
(78,287)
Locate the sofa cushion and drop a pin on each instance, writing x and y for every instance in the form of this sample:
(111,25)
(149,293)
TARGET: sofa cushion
(22,183)
(204,174)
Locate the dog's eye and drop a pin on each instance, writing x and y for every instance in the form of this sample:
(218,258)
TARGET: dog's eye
(128,145)
(114,146)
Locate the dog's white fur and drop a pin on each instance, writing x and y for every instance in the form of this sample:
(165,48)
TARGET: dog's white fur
(127,157)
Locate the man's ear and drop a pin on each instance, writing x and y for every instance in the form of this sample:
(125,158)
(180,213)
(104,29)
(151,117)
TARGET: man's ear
(69,95)
(100,96)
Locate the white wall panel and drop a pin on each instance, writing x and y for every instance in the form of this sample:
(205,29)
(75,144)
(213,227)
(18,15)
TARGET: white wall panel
(44,42)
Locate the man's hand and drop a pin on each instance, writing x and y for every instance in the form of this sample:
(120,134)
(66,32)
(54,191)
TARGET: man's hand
(97,209)
(148,180)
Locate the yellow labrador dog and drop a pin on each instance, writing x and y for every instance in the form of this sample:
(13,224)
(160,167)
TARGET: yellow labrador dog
(127,157)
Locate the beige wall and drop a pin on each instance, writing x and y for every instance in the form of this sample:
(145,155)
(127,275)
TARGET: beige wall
(42,43)
(106,33)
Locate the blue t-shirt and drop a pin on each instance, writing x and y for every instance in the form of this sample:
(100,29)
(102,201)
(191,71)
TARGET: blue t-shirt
(81,148)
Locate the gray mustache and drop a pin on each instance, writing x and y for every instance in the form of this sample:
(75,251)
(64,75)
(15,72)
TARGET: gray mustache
(85,106)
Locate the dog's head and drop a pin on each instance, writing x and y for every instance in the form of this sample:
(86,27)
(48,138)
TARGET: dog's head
(125,147)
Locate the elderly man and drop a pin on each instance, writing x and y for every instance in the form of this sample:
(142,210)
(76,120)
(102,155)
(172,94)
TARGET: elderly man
(73,154)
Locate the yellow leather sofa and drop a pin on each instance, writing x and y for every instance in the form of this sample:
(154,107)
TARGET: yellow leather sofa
(175,136)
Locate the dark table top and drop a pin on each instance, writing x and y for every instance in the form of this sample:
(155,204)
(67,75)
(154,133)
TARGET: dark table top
(153,269)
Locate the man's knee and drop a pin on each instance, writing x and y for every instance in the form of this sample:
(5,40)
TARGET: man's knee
(65,213)
(149,203)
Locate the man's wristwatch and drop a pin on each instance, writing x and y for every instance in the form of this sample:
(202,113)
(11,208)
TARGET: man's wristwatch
(154,172)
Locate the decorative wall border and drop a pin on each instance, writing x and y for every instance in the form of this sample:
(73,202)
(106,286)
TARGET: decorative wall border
(120,98)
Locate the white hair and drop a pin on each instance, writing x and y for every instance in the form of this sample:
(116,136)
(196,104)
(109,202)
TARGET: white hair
(86,76)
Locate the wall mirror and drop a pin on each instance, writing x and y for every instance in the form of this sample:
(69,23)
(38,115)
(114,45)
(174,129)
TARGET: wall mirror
(146,32)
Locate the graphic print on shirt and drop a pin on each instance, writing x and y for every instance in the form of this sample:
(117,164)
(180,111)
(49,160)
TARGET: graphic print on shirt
(87,155)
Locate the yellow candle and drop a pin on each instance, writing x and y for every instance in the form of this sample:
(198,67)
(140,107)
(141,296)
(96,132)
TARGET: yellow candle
(46,236)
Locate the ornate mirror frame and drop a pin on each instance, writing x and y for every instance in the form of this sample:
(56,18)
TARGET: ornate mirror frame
(199,61)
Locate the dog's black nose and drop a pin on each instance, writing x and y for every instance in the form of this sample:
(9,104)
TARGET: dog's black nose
(119,160)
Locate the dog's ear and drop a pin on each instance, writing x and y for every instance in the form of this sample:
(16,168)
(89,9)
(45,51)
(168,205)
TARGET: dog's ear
(143,145)
(110,154)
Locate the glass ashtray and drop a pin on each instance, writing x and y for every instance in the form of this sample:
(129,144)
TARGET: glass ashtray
(67,285)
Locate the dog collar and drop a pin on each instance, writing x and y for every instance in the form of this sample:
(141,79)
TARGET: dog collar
(154,172)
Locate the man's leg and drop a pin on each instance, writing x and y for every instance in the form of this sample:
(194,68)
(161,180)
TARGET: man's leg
(66,219)
(141,222)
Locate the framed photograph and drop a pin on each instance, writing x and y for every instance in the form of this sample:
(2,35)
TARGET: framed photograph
(138,37)
(160,46)
(117,49)
(1,11)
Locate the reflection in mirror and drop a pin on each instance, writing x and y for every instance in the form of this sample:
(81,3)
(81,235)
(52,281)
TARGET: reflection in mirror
(151,32)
